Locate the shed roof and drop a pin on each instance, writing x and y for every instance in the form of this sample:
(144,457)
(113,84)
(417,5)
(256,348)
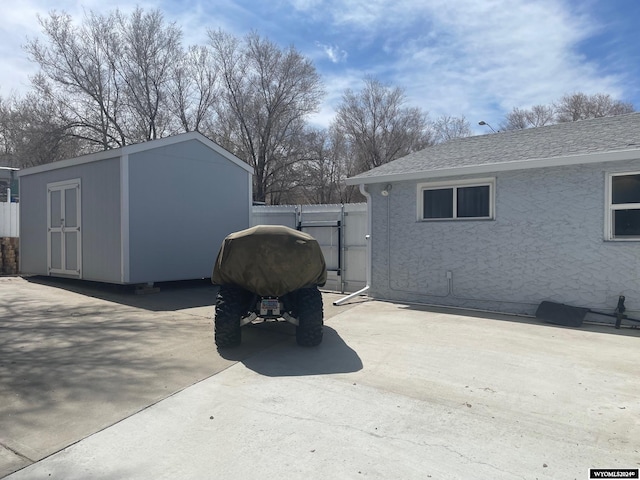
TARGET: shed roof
(138,147)
(587,141)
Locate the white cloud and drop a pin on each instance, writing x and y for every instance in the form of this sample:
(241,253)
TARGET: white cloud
(20,22)
(473,58)
(477,59)
(519,56)
(333,52)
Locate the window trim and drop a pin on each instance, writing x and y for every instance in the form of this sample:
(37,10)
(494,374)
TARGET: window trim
(455,184)
(610,207)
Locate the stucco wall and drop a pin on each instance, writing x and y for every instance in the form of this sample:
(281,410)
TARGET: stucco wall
(546,243)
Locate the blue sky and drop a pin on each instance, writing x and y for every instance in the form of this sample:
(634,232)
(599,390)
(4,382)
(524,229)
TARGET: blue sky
(453,57)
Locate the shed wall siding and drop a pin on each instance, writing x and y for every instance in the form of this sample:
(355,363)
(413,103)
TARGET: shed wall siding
(183,200)
(33,225)
(546,243)
(100,219)
(101,241)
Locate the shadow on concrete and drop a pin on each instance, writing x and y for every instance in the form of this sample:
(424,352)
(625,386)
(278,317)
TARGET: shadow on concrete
(287,359)
(70,366)
(171,296)
(76,358)
(50,361)
(591,323)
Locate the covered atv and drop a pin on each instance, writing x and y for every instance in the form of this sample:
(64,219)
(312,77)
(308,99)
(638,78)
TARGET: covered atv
(269,272)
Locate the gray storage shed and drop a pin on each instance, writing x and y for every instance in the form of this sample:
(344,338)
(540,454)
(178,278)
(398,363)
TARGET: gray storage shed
(151,212)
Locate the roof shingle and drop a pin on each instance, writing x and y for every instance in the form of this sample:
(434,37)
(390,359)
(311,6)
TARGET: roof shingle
(599,135)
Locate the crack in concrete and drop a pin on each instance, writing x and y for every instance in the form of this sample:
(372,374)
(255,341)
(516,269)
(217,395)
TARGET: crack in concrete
(379,436)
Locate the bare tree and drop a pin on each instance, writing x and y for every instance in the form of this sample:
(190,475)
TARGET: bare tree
(579,106)
(319,172)
(146,51)
(193,94)
(111,73)
(378,126)
(540,115)
(76,64)
(537,116)
(570,108)
(284,174)
(32,132)
(267,93)
(516,119)
(447,128)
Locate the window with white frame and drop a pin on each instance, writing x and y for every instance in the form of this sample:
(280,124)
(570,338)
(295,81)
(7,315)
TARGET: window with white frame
(468,200)
(623,222)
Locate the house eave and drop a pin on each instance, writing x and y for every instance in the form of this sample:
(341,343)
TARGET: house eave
(581,159)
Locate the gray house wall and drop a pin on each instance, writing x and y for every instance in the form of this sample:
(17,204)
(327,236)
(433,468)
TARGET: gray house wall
(100,209)
(545,243)
(183,200)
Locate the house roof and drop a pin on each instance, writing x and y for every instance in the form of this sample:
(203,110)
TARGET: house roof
(587,141)
(8,173)
(136,148)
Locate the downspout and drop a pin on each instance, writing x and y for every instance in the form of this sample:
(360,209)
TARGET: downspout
(367,195)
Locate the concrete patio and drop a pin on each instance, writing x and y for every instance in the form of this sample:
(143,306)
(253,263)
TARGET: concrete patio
(100,383)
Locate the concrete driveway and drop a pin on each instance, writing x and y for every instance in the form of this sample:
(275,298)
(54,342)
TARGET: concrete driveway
(124,386)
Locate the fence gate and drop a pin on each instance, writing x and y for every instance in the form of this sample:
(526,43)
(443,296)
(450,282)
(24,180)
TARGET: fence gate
(340,231)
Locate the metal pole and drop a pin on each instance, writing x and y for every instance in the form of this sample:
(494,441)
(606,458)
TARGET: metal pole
(342,249)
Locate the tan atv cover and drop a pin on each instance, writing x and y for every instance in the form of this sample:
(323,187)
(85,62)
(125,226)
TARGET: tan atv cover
(270,260)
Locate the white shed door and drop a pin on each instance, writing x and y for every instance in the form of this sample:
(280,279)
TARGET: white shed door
(64,242)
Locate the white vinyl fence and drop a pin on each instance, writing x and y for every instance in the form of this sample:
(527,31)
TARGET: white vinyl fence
(340,230)
(9,219)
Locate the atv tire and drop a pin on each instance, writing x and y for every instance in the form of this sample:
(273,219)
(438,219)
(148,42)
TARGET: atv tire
(310,317)
(231,304)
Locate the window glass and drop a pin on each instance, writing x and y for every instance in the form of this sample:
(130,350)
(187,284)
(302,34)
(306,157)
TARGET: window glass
(473,201)
(626,223)
(625,189)
(438,203)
